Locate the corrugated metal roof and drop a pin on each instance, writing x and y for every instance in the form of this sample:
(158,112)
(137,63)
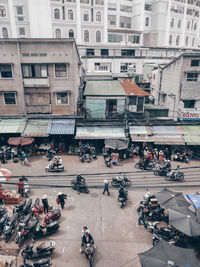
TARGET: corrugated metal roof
(138,130)
(101,132)
(132,89)
(165,130)
(191,129)
(104,88)
(169,140)
(61,126)
(142,138)
(192,139)
(12,125)
(36,127)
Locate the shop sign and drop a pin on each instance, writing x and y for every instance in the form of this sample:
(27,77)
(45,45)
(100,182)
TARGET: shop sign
(186,114)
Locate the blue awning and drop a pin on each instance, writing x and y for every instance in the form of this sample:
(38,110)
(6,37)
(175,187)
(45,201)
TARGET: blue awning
(61,126)
(195,199)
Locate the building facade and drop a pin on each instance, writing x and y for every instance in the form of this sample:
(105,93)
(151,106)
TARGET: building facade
(166,23)
(39,76)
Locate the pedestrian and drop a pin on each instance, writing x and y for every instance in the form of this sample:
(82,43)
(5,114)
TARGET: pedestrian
(61,199)
(45,203)
(24,178)
(142,217)
(24,159)
(106,186)
(21,187)
(1,196)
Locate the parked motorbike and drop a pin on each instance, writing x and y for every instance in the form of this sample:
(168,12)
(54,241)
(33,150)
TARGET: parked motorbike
(87,157)
(123,181)
(55,215)
(165,231)
(52,168)
(9,228)
(89,251)
(81,156)
(157,237)
(27,190)
(174,176)
(27,207)
(140,165)
(22,224)
(93,152)
(3,210)
(3,222)
(37,208)
(81,188)
(19,208)
(156,214)
(42,231)
(108,161)
(40,263)
(43,250)
(181,158)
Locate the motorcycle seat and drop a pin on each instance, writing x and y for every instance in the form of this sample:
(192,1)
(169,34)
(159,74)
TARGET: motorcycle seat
(44,246)
(52,224)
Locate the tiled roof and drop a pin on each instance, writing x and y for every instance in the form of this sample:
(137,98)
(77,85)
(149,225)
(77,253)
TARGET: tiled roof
(132,89)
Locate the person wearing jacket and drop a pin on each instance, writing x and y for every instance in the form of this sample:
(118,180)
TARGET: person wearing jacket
(61,199)
(86,238)
(45,203)
(106,186)
(21,187)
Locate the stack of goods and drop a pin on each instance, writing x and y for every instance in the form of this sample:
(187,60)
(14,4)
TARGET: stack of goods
(11,197)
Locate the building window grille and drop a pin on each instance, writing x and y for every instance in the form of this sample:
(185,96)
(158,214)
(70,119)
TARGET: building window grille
(192,77)
(2,12)
(9,98)
(98,16)
(60,70)
(98,37)
(71,34)
(86,16)
(70,15)
(62,98)
(86,36)
(34,70)
(58,33)
(56,13)
(4,32)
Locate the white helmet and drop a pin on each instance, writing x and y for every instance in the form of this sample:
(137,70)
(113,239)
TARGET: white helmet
(105,181)
(44,196)
(59,157)
(56,157)
(60,193)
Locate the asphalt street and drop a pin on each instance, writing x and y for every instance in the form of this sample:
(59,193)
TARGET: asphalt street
(117,236)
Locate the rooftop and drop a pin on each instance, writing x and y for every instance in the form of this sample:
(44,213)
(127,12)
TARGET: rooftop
(103,88)
(132,89)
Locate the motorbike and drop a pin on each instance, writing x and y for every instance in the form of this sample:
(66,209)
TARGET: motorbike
(25,231)
(22,224)
(181,158)
(157,237)
(43,250)
(52,168)
(81,156)
(81,188)
(19,208)
(49,155)
(3,211)
(89,251)
(93,152)
(122,201)
(37,208)
(3,222)
(165,231)
(27,207)
(108,161)
(55,215)
(160,171)
(87,157)
(40,263)
(124,181)
(156,214)
(140,165)
(173,176)
(42,231)
(9,228)
(27,190)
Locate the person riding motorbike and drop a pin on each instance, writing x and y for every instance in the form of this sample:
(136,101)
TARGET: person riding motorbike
(59,160)
(146,162)
(122,193)
(166,166)
(120,176)
(55,162)
(86,239)
(80,179)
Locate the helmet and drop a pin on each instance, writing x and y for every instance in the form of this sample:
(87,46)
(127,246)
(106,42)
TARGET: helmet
(59,157)
(105,181)
(56,157)
(60,193)
(178,166)
(156,149)
(44,196)
(168,160)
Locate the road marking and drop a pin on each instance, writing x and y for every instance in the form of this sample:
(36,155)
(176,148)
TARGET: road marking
(63,250)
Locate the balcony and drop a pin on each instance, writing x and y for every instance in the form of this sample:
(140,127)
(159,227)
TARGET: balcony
(36,82)
(38,109)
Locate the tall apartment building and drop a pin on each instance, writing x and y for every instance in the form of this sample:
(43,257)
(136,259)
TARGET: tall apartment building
(168,23)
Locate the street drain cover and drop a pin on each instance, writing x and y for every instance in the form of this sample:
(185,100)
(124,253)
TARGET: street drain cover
(94,195)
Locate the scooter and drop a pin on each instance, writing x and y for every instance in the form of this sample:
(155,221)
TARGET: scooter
(108,161)
(122,202)
(43,250)
(173,176)
(22,224)
(42,231)
(19,208)
(81,156)
(3,222)
(40,263)
(55,215)
(124,181)
(81,188)
(52,168)
(93,152)
(3,211)
(27,207)
(9,228)
(87,157)
(27,190)
(37,208)
(89,251)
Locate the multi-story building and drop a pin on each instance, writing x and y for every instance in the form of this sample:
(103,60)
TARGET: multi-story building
(39,76)
(177,86)
(165,23)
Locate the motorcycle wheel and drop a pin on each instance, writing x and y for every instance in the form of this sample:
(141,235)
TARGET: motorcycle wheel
(127,183)
(137,166)
(21,241)
(167,178)
(154,242)
(27,194)
(180,176)
(115,184)
(90,261)
(86,191)
(16,239)
(6,239)
(47,169)
(156,173)
(149,229)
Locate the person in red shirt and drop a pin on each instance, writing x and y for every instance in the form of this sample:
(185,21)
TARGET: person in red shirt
(1,196)
(21,187)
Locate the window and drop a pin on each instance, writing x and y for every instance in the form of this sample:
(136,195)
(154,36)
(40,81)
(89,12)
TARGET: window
(20,18)
(128,52)
(111,20)
(85,1)
(179,23)
(70,14)
(86,16)
(114,38)
(147,22)
(98,16)
(2,12)
(192,77)
(34,70)
(163,98)
(177,39)
(135,39)
(98,37)
(104,52)
(112,6)
(60,70)
(172,23)
(125,22)
(195,26)
(21,31)
(124,67)
(99,2)
(186,40)
(194,63)
(90,52)
(56,13)
(4,32)
(189,103)
(9,98)
(148,7)
(58,33)
(170,40)
(62,98)
(71,34)
(193,41)
(188,25)
(132,100)
(5,71)
(86,36)
(19,10)
(102,66)
(124,8)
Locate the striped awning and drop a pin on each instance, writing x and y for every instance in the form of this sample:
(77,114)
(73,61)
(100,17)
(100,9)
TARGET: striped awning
(193,140)
(165,130)
(12,125)
(61,126)
(191,129)
(169,140)
(142,138)
(36,128)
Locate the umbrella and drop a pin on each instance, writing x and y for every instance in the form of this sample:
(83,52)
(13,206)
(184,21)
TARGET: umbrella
(116,144)
(185,223)
(195,199)
(5,175)
(16,141)
(166,255)
(171,199)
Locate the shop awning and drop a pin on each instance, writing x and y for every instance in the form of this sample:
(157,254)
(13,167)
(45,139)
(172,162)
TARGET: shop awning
(12,126)
(116,144)
(138,130)
(142,138)
(169,140)
(101,132)
(191,129)
(193,140)
(36,128)
(61,126)
(165,130)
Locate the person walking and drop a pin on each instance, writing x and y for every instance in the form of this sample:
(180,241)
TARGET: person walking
(1,196)
(45,203)
(21,187)
(61,199)
(142,217)
(106,186)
